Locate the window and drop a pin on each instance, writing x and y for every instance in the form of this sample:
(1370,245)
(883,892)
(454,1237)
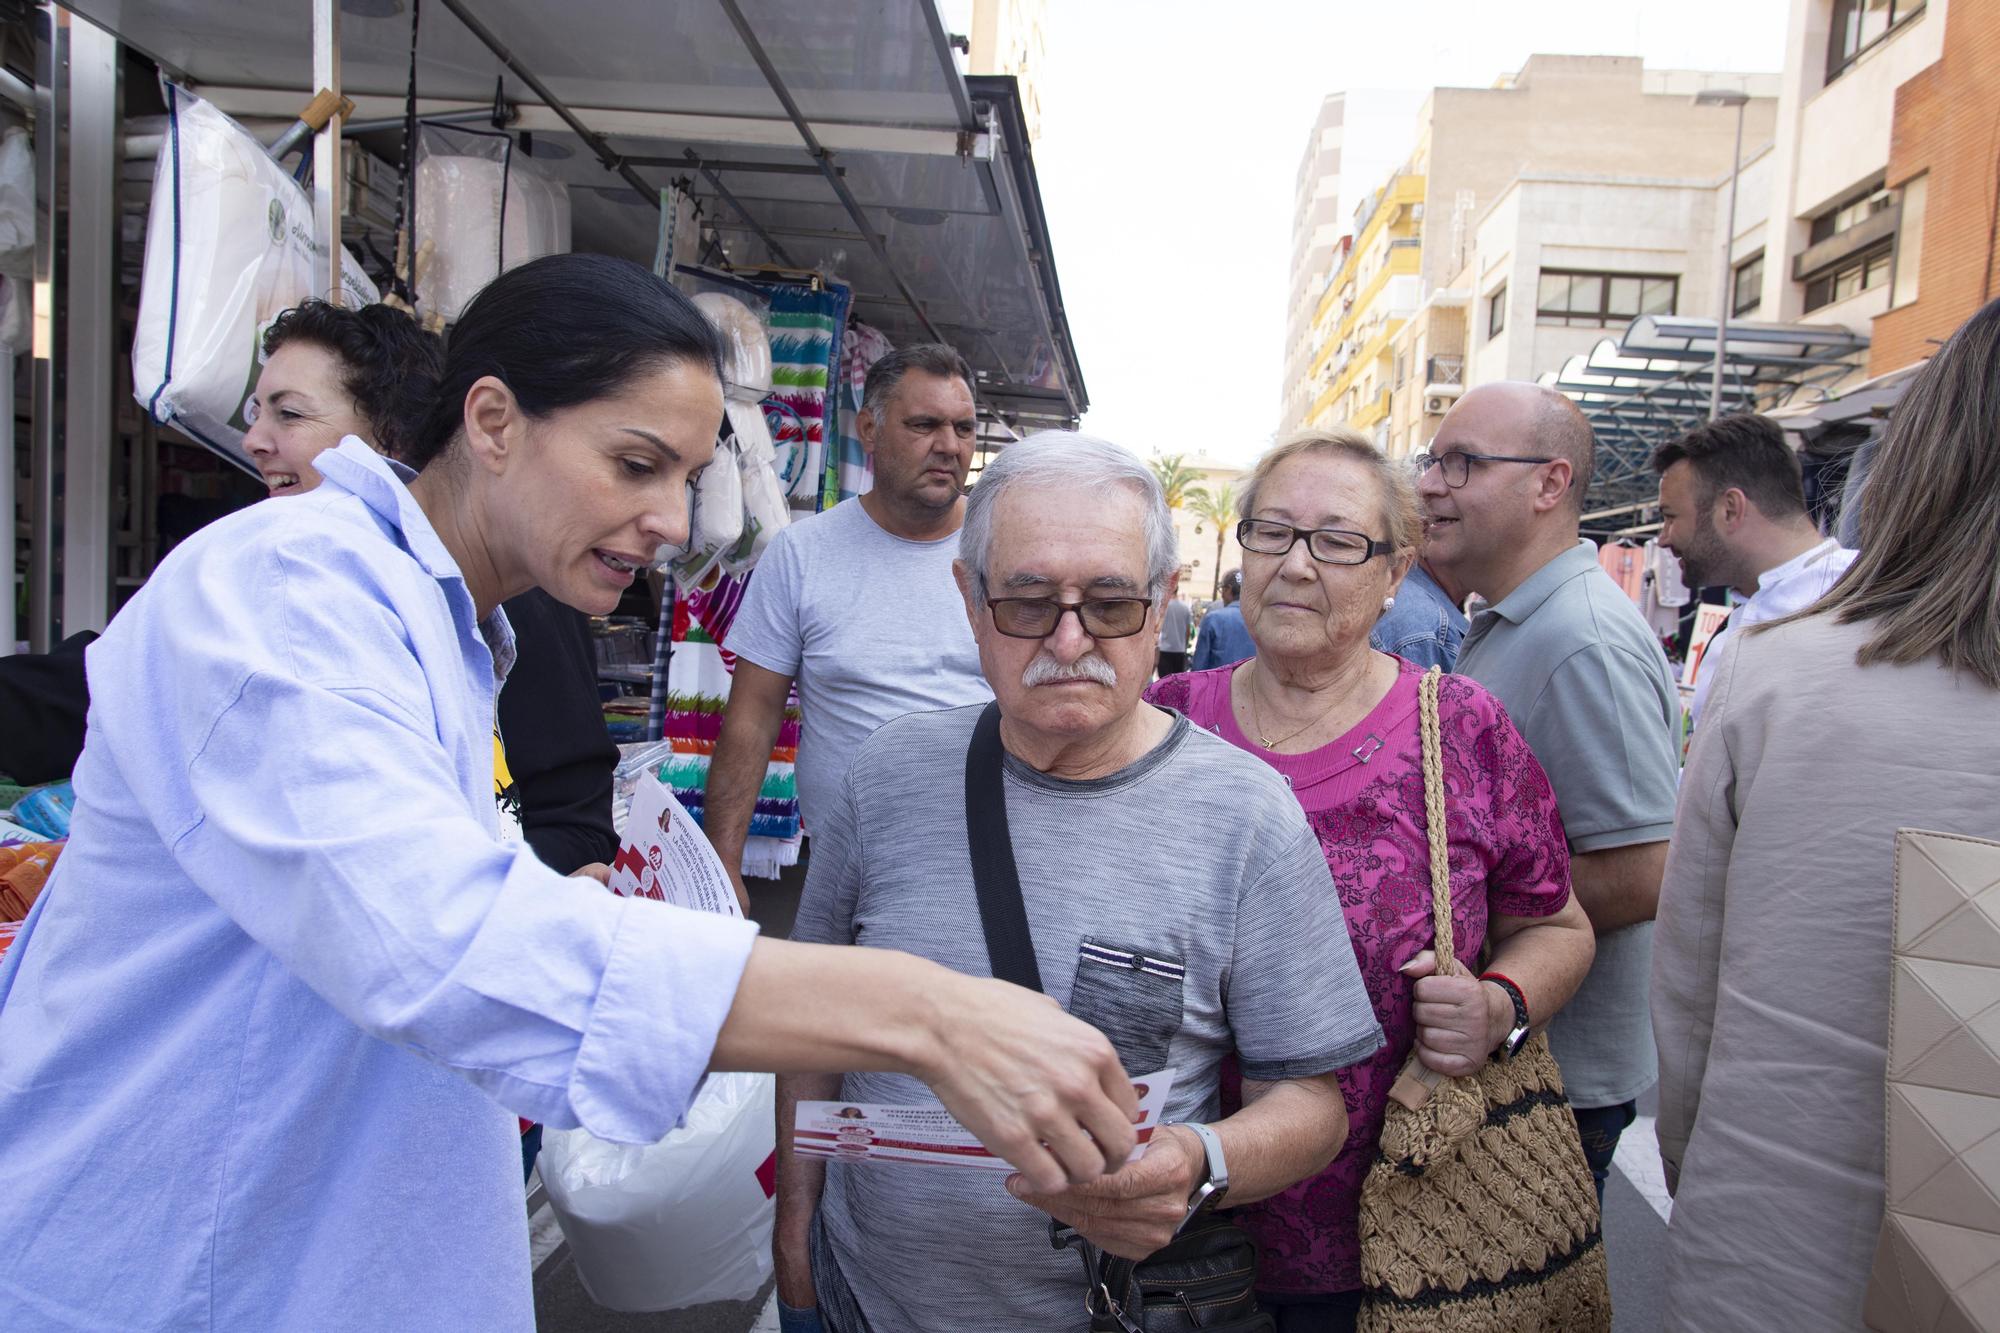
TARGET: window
(1747,286)
(1858,25)
(1565,296)
(1864,272)
(1910,241)
(1856,210)
(1496,312)
(1402,369)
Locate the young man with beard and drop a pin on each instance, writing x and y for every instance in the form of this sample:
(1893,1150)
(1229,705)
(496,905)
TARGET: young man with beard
(855,605)
(1733,509)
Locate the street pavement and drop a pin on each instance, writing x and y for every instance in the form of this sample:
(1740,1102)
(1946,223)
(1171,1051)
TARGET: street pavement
(1635,1227)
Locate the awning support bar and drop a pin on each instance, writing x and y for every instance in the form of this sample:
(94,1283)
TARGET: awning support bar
(770,242)
(748,35)
(598,145)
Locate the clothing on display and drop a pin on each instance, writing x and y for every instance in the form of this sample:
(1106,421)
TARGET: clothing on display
(1626,564)
(1665,593)
(805,326)
(861,349)
(698,676)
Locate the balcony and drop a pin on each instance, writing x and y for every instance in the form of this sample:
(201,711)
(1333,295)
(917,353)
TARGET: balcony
(1444,372)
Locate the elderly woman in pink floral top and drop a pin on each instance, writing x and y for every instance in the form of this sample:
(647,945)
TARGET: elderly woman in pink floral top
(1328,533)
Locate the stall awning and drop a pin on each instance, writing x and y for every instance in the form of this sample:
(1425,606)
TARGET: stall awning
(922,193)
(1653,383)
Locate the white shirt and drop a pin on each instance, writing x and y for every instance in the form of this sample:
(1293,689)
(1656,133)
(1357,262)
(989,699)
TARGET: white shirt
(264,1035)
(1781,590)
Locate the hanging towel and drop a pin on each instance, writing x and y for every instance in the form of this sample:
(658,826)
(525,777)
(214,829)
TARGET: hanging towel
(698,676)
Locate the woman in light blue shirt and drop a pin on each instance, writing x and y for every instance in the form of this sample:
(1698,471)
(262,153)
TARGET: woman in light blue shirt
(264,1036)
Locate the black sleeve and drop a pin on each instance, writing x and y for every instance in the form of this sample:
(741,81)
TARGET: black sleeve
(552,724)
(44,700)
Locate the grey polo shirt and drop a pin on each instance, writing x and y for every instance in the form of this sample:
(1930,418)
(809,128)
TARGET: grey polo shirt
(1586,682)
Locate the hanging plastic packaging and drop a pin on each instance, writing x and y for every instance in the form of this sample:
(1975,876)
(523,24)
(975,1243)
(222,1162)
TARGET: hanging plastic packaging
(483,207)
(681,1222)
(746,366)
(229,248)
(17,238)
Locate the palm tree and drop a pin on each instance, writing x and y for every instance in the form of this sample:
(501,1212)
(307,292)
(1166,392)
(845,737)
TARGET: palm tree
(1217,507)
(1179,481)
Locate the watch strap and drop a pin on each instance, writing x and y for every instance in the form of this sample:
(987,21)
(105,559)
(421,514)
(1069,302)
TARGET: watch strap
(1519,1032)
(1210,1192)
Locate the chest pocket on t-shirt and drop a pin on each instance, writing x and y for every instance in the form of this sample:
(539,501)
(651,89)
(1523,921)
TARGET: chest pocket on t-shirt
(1132,996)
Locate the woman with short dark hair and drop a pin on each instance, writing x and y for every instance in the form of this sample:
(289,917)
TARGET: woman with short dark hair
(264,1035)
(330,372)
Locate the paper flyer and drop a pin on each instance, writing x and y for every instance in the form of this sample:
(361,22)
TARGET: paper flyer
(664,855)
(864,1132)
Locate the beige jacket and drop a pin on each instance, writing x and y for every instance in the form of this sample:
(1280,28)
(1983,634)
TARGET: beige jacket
(1771,964)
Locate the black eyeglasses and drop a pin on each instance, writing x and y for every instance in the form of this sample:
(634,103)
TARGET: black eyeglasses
(1329,546)
(1037,617)
(1458,465)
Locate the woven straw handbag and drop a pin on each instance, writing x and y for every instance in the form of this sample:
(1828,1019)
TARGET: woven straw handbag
(1478,1214)
(1937,1265)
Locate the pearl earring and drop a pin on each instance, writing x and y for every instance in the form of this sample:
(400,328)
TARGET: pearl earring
(1388,602)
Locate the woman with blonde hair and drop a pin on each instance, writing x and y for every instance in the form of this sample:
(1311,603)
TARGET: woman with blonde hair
(1328,532)
(1876,708)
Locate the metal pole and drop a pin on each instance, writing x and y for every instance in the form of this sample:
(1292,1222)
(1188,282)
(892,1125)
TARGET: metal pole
(91,309)
(327,175)
(1726,293)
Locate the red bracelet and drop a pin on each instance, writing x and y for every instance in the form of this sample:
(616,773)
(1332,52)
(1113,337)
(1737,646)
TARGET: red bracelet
(1511,985)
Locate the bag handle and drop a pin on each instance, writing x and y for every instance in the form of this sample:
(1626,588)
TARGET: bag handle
(1415,1083)
(1434,817)
(1010,948)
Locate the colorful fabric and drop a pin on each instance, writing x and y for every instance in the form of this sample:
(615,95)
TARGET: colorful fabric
(1364,797)
(861,349)
(698,676)
(805,327)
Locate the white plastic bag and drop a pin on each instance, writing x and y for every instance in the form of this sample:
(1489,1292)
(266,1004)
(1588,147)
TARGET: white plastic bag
(229,248)
(467,234)
(681,1222)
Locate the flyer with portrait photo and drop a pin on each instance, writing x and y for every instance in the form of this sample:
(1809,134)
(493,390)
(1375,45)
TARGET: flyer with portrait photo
(863,1132)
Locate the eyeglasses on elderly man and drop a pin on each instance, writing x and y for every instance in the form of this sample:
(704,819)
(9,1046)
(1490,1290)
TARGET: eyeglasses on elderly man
(1037,617)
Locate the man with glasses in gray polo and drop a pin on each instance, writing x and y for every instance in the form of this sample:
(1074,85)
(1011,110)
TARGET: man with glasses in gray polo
(1587,683)
(1180,948)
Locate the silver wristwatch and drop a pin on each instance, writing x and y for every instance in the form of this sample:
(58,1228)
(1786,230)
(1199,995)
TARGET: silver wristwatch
(1214,1185)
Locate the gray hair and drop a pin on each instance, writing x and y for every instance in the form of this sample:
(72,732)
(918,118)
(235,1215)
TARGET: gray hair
(1064,460)
(931,358)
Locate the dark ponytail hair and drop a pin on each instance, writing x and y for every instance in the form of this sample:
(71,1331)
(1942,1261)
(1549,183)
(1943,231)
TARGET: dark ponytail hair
(564,330)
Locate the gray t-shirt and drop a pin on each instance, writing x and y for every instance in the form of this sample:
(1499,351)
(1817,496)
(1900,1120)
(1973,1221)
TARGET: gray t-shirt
(871,627)
(1581,674)
(1181,904)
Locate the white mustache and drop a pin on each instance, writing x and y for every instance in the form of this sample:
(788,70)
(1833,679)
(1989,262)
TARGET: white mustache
(1046,670)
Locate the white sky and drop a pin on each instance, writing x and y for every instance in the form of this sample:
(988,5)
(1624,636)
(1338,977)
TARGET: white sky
(1171,137)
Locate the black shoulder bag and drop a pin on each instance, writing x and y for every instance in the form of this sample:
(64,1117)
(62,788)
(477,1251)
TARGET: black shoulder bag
(1206,1277)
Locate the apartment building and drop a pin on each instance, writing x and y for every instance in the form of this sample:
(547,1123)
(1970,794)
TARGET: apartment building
(1883,197)
(1357,138)
(1531,219)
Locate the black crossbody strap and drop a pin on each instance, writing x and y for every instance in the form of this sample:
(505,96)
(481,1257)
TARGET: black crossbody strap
(1010,949)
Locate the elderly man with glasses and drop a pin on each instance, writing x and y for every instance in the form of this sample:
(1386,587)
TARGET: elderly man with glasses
(1584,679)
(1181,947)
